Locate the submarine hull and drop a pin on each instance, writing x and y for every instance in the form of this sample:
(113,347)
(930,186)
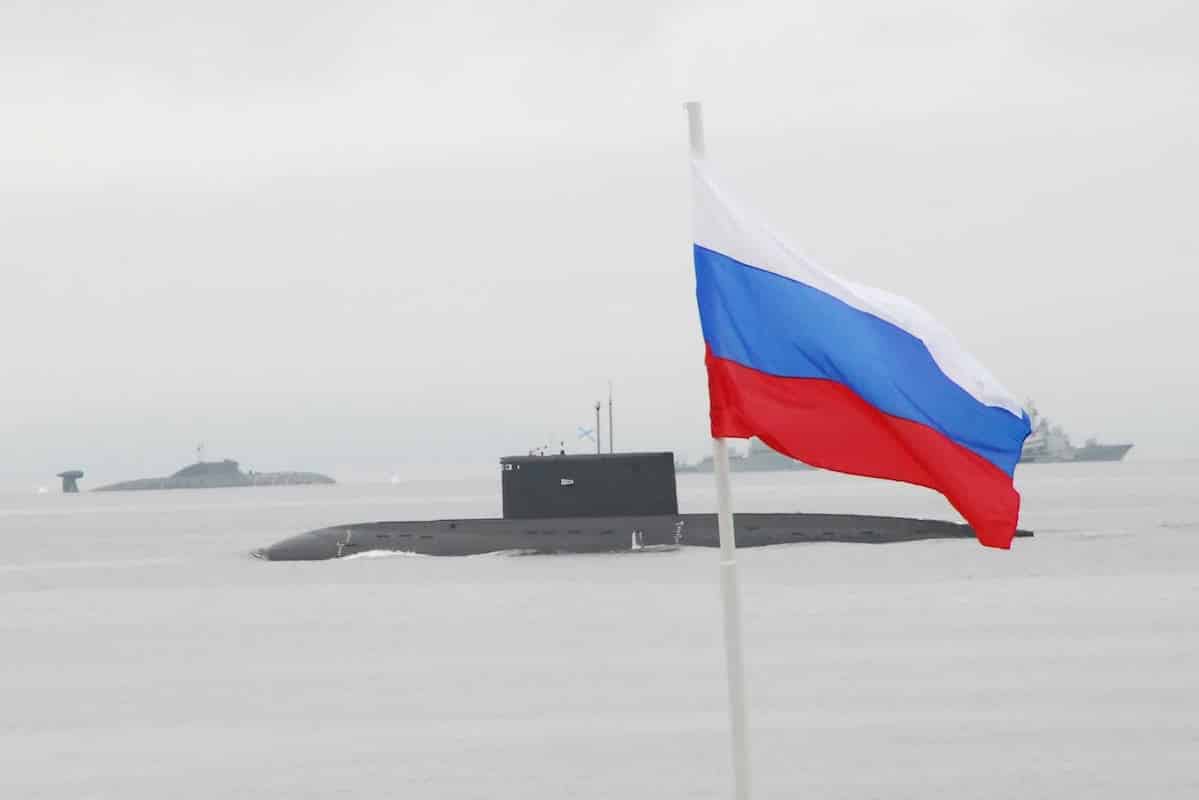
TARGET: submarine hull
(594,504)
(463,537)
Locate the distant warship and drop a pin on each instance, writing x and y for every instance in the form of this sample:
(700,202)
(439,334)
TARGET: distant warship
(1049,444)
(595,503)
(217,475)
(759,458)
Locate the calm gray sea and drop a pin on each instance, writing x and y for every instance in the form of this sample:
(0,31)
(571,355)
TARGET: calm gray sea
(144,654)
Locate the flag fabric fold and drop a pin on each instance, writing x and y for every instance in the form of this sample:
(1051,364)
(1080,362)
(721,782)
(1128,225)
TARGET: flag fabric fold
(847,377)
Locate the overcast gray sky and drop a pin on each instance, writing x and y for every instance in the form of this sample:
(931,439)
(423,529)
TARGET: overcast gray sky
(363,237)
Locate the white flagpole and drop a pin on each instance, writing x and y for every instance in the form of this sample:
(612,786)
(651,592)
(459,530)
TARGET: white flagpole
(728,561)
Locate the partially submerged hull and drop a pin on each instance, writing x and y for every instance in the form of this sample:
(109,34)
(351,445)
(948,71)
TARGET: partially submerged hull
(462,537)
(217,475)
(594,504)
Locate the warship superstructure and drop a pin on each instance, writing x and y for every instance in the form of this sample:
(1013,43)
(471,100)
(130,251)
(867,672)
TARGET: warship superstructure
(595,503)
(758,458)
(1050,444)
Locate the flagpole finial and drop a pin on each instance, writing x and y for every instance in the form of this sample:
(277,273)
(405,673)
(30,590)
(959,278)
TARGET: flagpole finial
(695,126)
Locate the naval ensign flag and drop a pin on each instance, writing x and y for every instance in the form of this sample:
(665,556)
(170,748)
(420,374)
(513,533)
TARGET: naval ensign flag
(842,376)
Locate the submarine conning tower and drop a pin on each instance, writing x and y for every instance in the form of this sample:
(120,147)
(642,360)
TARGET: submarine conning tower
(590,485)
(70,480)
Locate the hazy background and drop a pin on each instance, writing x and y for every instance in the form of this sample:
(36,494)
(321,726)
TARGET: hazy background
(364,239)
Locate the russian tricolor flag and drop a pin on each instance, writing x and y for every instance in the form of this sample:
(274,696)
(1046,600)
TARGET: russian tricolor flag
(847,377)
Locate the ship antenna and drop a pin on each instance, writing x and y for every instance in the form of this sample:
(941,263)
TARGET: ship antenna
(598,436)
(611,426)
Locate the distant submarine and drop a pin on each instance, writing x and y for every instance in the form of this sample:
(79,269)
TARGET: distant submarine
(596,503)
(217,475)
(70,480)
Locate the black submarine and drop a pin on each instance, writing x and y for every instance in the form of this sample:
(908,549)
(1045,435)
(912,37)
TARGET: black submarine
(595,503)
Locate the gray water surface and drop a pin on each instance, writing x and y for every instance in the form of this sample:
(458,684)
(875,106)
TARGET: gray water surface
(144,654)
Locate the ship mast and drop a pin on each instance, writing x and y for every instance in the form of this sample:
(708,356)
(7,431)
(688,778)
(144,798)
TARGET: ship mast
(599,439)
(611,427)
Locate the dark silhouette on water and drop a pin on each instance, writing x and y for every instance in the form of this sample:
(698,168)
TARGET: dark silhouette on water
(216,475)
(70,481)
(596,503)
